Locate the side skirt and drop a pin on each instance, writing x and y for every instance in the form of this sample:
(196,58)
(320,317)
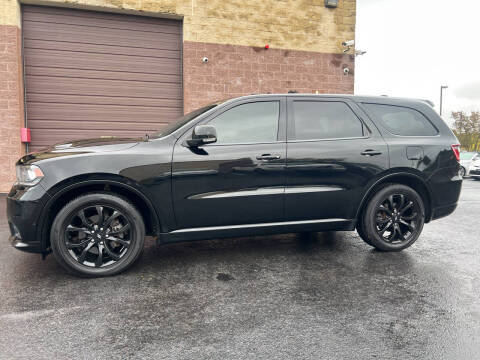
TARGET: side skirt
(215,232)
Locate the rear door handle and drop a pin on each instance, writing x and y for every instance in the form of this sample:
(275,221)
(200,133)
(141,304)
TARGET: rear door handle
(371,152)
(268,157)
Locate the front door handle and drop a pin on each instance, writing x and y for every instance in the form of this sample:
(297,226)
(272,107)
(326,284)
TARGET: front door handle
(268,157)
(371,152)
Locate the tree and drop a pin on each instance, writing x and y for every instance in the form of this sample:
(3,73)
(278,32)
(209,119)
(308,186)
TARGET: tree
(467,129)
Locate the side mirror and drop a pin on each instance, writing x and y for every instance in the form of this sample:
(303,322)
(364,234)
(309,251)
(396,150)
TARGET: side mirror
(202,134)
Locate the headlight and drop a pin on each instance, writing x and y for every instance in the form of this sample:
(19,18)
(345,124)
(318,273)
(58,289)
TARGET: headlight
(28,174)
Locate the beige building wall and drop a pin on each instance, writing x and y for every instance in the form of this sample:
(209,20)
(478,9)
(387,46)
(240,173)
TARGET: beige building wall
(285,24)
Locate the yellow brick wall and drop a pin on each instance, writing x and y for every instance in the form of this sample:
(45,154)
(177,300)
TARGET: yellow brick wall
(287,24)
(9,12)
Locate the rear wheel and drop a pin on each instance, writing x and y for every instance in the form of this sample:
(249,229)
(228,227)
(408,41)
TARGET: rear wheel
(362,234)
(462,171)
(97,234)
(393,219)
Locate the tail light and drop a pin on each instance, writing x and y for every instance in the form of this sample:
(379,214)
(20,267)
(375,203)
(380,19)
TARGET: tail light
(456,151)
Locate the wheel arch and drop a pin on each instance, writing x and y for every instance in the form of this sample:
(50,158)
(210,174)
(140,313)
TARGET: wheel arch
(407,178)
(71,188)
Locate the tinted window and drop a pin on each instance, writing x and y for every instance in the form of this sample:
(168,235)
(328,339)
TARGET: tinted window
(402,121)
(247,123)
(325,120)
(170,128)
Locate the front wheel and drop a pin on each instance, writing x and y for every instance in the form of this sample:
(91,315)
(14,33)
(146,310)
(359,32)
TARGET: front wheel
(97,234)
(394,218)
(462,171)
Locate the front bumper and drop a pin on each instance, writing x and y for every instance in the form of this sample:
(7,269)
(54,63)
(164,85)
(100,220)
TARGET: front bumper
(474,172)
(24,206)
(33,247)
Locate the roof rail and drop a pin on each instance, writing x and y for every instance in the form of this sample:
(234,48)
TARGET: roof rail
(429,102)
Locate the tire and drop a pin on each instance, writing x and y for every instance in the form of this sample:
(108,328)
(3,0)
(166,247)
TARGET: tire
(393,219)
(362,235)
(94,224)
(359,226)
(462,171)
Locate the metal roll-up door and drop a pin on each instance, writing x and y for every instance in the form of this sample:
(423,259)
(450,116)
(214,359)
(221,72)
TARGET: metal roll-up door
(91,74)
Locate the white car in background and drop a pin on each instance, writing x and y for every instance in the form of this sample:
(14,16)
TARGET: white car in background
(469,161)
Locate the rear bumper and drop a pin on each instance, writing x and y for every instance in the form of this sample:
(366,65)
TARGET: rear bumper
(24,206)
(443,211)
(445,186)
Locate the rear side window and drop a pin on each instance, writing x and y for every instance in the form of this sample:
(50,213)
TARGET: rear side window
(402,121)
(248,123)
(325,120)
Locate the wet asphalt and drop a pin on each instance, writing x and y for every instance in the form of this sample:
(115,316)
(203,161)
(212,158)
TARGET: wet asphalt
(327,296)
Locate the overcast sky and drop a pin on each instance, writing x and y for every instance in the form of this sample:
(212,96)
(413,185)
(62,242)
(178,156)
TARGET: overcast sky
(414,46)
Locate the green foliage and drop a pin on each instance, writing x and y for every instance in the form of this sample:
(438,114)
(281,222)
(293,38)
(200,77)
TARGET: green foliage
(467,129)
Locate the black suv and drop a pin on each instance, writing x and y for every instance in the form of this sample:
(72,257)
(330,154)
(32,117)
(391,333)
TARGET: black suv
(258,164)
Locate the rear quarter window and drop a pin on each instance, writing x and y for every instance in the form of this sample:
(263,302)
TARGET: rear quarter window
(402,121)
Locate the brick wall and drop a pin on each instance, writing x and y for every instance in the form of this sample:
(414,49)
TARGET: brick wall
(11,103)
(240,70)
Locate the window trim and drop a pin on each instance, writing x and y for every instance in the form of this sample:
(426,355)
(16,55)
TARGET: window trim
(244,143)
(329,139)
(291,138)
(282,122)
(380,122)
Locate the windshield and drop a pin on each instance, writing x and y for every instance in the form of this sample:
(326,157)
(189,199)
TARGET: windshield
(466,155)
(177,124)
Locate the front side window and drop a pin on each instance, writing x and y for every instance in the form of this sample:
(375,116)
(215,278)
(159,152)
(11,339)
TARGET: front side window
(402,121)
(314,120)
(172,127)
(248,123)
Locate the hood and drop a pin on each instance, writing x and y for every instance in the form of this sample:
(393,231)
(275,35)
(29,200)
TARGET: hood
(103,144)
(466,162)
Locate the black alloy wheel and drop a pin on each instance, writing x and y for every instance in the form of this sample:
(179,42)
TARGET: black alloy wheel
(97,234)
(397,218)
(394,218)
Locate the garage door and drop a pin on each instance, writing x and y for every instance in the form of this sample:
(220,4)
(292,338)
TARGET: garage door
(91,74)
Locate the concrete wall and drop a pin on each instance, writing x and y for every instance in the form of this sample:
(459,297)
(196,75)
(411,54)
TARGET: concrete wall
(305,52)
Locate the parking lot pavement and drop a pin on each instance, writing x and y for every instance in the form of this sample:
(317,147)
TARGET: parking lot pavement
(326,296)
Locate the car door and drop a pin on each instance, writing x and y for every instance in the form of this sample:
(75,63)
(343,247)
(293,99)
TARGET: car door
(240,179)
(332,153)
